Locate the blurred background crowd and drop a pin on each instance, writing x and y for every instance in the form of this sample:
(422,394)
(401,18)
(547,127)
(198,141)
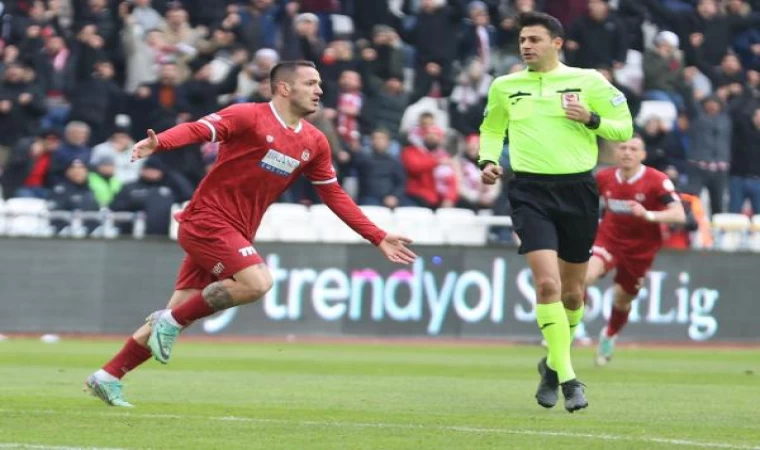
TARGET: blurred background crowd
(405,84)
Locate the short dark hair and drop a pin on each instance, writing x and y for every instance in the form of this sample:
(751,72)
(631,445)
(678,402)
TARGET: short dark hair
(284,70)
(551,23)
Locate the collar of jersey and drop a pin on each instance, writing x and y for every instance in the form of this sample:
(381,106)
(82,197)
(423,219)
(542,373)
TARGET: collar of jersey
(282,122)
(560,69)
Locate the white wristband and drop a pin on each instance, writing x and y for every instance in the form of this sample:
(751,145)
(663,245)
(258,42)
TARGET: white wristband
(649,216)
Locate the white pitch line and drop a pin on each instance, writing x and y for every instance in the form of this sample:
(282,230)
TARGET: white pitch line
(20,445)
(402,426)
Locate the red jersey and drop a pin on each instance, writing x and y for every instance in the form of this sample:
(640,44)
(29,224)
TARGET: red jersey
(633,235)
(259,158)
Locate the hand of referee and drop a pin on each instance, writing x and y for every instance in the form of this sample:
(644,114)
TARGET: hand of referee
(491,173)
(577,112)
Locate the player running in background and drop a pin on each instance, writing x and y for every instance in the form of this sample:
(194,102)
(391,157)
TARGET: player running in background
(264,148)
(637,199)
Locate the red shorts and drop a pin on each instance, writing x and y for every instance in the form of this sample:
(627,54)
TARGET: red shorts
(631,270)
(214,252)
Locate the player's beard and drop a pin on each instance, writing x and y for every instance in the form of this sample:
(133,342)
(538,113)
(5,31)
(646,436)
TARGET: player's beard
(305,108)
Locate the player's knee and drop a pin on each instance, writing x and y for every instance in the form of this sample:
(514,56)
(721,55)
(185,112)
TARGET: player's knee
(258,287)
(547,288)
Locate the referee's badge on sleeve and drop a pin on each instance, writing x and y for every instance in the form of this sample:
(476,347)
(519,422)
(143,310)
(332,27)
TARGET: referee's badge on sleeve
(618,100)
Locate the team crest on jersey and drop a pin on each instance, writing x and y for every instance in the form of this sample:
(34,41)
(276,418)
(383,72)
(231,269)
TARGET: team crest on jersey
(270,138)
(306,155)
(569,97)
(640,197)
(279,164)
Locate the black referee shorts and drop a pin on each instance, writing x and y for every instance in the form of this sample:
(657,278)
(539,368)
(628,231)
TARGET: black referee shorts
(555,212)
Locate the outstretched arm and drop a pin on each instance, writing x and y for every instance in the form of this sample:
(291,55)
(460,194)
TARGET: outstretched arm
(392,246)
(216,127)
(322,175)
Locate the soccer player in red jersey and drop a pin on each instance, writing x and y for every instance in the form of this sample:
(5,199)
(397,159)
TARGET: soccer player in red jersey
(637,199)
(263,149)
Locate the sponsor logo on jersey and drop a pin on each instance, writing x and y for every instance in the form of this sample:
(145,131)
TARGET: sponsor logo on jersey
(213,117)
(218,269)
(618,206)
(278,163)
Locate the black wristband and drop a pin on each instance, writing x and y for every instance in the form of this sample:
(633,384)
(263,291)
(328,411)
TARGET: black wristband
(482,164)
(594,121)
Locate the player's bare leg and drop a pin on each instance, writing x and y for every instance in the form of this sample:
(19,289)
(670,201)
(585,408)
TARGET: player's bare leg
(245,286)
(573,278)
(106,382)
(546,278)
(621,308)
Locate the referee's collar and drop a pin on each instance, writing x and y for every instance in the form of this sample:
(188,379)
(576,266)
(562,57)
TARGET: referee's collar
(559,69)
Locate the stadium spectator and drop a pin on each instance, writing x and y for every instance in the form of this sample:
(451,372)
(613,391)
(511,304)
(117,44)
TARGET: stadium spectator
(384,56)
(473,194)
(468,99)
(28,171)
(744,182)
(710,150)
(382,179)
(386,102)
(118,149)
(431,182)
(96,100)
(73,193)
(154,193)
(435,47)
(21,106)
(102,180)
(597,39)
(664,74)
(478,37)
(75,146)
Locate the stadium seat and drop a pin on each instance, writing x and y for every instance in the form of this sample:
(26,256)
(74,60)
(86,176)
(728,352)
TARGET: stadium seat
(173,224)
(462,226)
(330,227)
(754,238)
(380,215)
(419,224)
(27,217)
(293,222)
(665,110)
(731,231)
(267,231)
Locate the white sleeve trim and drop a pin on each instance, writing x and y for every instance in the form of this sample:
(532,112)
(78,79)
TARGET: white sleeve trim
(211,127)
(331,180)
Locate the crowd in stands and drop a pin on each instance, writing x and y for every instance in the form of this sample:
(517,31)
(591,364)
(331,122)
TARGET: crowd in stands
(405,84)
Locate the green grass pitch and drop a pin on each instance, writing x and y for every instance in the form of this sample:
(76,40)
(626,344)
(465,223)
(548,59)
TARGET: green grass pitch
(222,395)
